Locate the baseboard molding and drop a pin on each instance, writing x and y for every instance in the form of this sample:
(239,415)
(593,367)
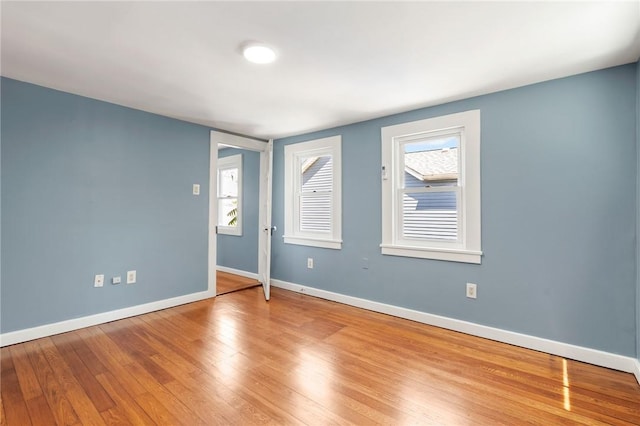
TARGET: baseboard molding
(579,353)
(25,335)
(246,274)
(636,370)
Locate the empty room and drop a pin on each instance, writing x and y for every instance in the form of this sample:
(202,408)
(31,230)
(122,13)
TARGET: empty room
(331,212)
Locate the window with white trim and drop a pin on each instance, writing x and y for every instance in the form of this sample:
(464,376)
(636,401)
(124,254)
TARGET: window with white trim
(230,195)
(431,188)
(313,193)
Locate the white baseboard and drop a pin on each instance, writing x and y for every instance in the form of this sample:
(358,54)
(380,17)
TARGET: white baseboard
(246,274)
(579,353)
(20,336)
(636,370)
(25,335)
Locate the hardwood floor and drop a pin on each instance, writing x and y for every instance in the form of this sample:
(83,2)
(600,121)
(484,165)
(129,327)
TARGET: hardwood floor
(296,359)
(227,283)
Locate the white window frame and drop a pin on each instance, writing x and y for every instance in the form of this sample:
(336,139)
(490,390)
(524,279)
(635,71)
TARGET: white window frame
(468,246)
(292,174)
(225,163)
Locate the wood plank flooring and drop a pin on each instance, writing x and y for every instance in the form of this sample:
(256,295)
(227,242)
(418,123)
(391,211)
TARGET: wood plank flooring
(226,282)
(238,360)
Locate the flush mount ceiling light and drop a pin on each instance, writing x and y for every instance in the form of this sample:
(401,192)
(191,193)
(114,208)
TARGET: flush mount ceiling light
(258,53)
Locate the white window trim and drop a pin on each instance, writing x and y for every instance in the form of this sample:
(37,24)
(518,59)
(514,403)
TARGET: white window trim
(468,248)
(231,162)
(292,235)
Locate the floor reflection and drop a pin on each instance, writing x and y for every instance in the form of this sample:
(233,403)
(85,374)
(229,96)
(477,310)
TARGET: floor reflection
(314,375)
(565,384)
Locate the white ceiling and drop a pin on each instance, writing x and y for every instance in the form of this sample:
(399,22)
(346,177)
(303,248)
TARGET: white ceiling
(339,62)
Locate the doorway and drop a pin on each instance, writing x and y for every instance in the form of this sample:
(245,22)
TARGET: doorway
(238,221)
(239,213)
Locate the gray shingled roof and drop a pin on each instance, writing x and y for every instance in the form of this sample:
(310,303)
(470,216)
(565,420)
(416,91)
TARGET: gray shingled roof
(440,164)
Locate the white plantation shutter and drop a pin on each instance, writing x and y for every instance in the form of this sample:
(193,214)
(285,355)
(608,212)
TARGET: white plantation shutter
(428,205)
(313,212)
(428,212)
(230,195)
(430,215)
(315,195)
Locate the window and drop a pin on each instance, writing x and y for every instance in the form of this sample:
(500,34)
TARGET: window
(230,195)
(313,198)
(431,188)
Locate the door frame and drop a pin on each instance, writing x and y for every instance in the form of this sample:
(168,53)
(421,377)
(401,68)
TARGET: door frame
(233,141)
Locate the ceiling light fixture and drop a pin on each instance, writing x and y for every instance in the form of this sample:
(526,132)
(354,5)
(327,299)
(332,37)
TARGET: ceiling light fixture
(258,53)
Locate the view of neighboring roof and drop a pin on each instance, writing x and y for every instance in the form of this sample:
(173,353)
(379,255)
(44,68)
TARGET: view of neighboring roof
(307,163)
(434,165)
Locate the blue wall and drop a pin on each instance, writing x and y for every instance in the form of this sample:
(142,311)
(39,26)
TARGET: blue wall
(241,252)
(558,217)
(90,187)
(638,211)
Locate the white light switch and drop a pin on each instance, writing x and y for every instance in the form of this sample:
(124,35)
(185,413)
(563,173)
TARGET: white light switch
(196,189)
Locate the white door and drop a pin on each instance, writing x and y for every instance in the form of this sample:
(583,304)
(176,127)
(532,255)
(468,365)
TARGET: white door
(264,238)
(264,241)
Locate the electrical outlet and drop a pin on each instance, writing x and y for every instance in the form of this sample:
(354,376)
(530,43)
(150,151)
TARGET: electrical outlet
(365,263)
(131,277)
(116,280)
(196,189)
(310,262)
(98,281)
(472,290)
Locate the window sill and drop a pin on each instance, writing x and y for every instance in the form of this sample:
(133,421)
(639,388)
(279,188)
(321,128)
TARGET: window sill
(229,230)
(313,242)
(451,255)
